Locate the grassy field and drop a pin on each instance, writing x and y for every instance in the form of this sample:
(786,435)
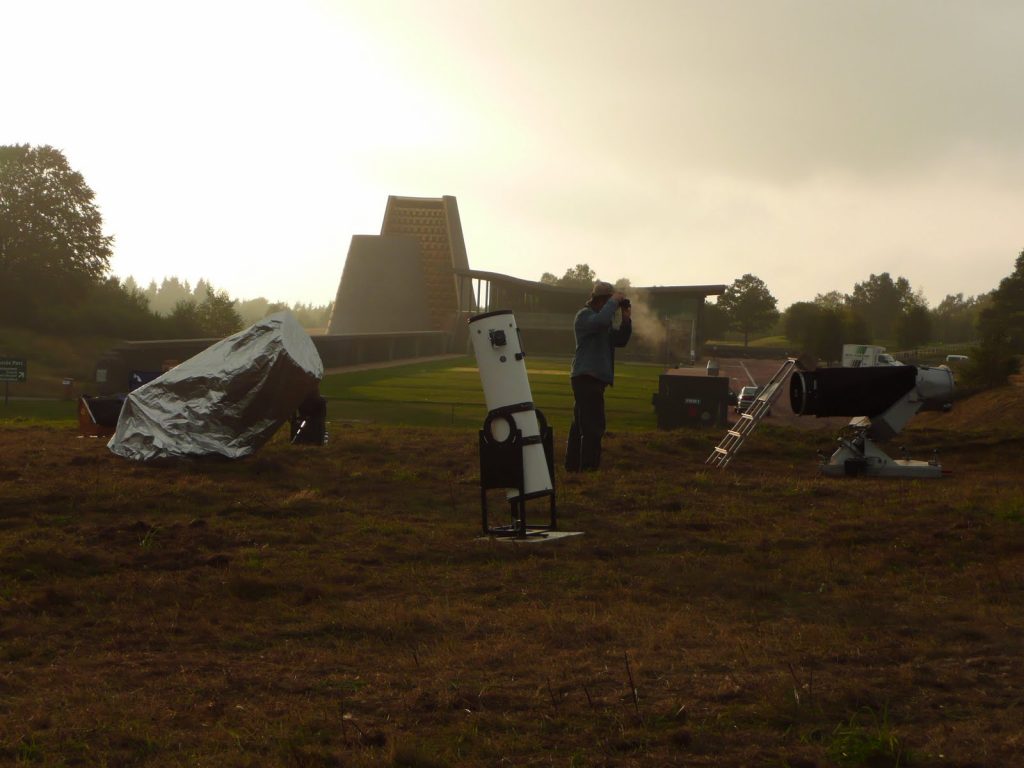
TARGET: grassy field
(334,606)
(448,392)
(22,413)
(437,393)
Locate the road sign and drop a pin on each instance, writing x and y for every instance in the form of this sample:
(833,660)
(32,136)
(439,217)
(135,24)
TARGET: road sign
(13,369)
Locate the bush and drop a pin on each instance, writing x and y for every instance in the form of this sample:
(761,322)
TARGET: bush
(990,365)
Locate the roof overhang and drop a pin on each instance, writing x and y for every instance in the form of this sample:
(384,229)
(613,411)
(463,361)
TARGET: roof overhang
(688,291)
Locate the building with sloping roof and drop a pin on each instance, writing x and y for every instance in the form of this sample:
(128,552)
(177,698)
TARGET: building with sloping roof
(419,250)
(415,277)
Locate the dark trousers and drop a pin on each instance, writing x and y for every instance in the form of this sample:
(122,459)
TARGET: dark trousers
(584,448)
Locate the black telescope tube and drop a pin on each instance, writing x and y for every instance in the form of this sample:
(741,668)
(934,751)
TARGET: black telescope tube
(850,391)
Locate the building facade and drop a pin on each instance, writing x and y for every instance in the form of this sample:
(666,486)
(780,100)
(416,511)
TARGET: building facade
(415,277)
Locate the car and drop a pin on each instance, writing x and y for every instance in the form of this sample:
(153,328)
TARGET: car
(746,398)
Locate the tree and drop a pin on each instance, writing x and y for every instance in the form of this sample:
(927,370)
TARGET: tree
(798,322)
(132,288)
(185,321)
(832,300)
(109,308)
(171,292)
(252,310)
(581,275)
(749,305)
(52,246)
(308,315)
(880,300)
(816,329)
(955,318)
(49,225)
(713,322)
(549,279)
(203,290)
(855,328)
(913,327)
(831,333)
(217,314)
(1001,329)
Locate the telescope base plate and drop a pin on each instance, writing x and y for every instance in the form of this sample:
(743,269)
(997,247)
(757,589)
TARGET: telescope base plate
(862,457)
(532,537)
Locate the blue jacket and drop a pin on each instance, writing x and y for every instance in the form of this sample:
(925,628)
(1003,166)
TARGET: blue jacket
(596,341)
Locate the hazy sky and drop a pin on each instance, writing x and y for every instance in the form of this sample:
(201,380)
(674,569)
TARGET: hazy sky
(809,142)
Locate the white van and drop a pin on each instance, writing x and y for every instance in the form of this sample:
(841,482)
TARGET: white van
(866,356)
(956,359)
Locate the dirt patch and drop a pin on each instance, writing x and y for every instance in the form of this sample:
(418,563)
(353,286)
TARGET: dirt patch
(336,606)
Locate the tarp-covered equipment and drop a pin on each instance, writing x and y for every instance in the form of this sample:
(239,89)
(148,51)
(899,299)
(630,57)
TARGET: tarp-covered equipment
(228,400)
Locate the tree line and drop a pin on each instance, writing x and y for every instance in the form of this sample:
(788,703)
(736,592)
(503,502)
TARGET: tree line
(583,277)
(55,277)
(55,266)
(175,297)
(880,309)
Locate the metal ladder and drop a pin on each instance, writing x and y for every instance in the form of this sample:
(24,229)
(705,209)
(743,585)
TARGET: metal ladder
(749,419)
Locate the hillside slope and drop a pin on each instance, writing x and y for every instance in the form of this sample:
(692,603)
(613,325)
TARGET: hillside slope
(1000,409)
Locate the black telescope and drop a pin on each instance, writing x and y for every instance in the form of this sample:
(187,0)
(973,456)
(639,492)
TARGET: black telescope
(882,399)
(850,391)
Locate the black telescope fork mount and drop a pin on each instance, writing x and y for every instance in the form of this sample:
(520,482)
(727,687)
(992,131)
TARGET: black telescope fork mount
(502,466)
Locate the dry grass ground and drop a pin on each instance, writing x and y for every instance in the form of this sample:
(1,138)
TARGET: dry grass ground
(334,606)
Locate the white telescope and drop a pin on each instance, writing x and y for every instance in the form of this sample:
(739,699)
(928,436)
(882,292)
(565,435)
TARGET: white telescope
(502,364)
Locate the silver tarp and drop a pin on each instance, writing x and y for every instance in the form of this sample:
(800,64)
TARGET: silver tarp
(228,400)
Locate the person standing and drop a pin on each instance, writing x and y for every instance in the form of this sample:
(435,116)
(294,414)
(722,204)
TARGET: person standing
(593,369)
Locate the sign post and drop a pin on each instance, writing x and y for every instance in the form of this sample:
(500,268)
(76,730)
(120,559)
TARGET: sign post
(12,369)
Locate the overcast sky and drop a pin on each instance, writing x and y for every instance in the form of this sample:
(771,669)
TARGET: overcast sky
(673,142)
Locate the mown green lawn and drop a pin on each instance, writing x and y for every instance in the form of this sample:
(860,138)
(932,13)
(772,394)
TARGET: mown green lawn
(448,392)
(17,412)
(437,393)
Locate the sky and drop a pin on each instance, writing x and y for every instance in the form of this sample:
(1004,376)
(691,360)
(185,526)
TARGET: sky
(811,143)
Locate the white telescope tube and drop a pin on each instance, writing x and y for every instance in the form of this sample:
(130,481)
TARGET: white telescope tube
(502,364)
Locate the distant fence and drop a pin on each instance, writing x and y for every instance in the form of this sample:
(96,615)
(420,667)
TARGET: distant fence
(357,349)
(115,367)
(932,355)
(747,353)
